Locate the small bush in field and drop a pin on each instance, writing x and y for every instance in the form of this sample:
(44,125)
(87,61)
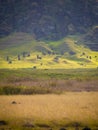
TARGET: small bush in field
(34,67)
(10,62)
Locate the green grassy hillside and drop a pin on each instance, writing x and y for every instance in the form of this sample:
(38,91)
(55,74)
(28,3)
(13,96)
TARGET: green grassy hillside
(21,50)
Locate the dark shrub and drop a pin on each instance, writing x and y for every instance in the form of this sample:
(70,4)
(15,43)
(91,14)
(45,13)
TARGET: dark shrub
(2,122)
(10,62)
(86,128)
(34,67)
(62,129)
(43,125)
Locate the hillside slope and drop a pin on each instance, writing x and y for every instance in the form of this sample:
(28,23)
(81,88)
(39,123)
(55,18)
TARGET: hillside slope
(20,50)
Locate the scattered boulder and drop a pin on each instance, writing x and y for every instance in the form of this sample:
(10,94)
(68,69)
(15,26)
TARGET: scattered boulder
(14,102)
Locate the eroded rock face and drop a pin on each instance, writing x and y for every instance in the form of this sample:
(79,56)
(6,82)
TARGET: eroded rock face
(47,19)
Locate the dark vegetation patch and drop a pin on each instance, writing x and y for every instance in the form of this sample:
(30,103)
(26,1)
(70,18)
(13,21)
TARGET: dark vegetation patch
(62,129)
(7,90)
(86,128)
(43,125)
(74,124)
(3,122)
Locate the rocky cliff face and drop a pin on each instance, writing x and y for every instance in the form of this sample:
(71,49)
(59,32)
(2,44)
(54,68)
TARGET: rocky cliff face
(47,19)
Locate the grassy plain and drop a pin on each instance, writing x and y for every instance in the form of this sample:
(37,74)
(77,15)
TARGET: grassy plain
(29,81)
(33,99)
(42,112)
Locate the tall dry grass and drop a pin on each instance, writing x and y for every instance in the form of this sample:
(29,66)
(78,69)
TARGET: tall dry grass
(62,109)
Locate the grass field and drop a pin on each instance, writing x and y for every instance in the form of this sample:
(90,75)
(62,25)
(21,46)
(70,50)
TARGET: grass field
(29,81)
(42,112)
(34,99)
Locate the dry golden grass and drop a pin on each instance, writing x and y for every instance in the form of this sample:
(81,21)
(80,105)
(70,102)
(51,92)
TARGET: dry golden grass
(61,109)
